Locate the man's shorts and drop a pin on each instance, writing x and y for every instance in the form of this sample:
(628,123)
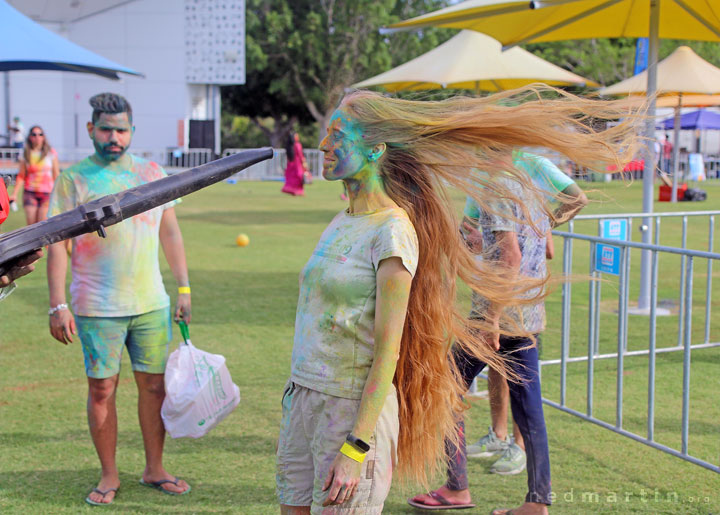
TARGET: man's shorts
(35,198)
(146,336)
(313,428)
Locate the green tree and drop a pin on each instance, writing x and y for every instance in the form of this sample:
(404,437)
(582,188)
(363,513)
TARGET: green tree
(608,61)
(301,55)
(605,61)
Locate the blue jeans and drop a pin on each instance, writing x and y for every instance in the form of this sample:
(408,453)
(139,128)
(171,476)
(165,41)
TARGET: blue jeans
(527,411)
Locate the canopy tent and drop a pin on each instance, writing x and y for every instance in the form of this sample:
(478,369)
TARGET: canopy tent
(700,119)
(516,22)
(681,73)
(26,45)
(689,101)
(470,60)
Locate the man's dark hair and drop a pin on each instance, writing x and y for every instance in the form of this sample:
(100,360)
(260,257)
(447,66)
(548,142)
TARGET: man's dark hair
(109,103)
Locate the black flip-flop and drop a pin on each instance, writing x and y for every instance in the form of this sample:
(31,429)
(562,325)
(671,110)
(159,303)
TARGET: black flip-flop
(444,504)
(157,485)
(103,493)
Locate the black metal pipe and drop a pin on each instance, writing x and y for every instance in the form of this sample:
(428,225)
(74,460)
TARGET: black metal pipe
(111,209)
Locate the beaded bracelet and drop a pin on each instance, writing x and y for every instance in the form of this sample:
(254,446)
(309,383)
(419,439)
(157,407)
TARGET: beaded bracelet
(57,308)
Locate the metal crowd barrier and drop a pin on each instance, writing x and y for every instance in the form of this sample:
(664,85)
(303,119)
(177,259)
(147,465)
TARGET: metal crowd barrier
(10,154)
(274,169)
(688,260)
(189,158)
(684,216)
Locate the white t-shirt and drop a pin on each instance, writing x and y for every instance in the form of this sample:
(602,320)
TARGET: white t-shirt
(118,275)
(335,322)
(19,134)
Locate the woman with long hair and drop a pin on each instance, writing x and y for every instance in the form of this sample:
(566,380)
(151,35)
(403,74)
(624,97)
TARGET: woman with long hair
(296,166)
(39,168)
(373,386)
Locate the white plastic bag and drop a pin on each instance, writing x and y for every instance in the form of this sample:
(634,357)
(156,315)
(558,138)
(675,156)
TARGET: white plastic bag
(199,392)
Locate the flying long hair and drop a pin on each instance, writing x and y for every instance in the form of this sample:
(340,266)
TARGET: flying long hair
(433,145)
(44,149)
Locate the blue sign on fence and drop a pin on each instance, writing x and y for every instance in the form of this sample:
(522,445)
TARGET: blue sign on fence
(607,259)
(614,229)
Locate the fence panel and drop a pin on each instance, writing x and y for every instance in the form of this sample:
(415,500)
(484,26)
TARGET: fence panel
(626,394)
(274,169)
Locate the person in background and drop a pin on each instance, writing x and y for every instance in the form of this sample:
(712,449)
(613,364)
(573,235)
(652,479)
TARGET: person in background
(296,166)
(118,296)
(523,244)
(667,153)
(17,133)
(39,168)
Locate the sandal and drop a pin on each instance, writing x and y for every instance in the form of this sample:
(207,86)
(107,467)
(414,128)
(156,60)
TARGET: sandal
(444,503)
(157,485)
(103,493)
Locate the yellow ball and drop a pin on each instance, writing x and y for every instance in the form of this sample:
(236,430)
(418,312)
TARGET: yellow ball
(242,240)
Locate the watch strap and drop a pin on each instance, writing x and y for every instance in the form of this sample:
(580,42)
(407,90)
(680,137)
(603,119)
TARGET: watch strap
(359,444)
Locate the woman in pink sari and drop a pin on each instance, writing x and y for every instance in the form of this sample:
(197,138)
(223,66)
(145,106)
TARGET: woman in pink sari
(296,166)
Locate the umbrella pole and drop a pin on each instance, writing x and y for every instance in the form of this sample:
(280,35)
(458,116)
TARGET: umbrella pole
(676,149)
(649,171)
(6,93)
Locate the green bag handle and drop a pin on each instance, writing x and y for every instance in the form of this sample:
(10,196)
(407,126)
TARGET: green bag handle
(184,330)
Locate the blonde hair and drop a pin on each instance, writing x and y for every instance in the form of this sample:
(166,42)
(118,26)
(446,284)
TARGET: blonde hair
(435,144)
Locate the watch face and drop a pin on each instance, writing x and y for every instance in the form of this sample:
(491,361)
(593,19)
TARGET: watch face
(358,443)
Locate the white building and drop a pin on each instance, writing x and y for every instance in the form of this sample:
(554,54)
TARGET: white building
(184,48)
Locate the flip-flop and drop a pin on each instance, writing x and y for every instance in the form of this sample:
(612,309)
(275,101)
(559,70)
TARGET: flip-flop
(444,504)
(157,485)
(103,493)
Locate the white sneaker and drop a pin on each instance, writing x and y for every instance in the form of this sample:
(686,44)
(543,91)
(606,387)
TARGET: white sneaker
(488,445)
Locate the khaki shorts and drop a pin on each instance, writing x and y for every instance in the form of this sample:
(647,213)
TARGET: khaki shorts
(313,428)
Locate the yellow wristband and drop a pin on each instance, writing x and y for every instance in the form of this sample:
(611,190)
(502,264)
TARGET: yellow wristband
(352,453)
(184,289)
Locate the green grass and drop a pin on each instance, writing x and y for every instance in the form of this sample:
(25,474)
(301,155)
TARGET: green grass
(243,307)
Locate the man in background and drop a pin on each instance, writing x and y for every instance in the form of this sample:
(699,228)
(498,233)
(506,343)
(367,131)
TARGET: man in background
(118,297)
(17,133)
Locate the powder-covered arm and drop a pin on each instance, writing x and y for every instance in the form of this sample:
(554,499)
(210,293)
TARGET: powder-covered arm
(393,291)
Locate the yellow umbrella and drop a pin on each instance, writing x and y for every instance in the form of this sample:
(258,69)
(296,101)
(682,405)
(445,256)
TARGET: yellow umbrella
(471,60)
(681,73)
(515,22)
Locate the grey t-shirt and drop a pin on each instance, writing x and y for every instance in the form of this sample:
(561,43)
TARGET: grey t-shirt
(335,321)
